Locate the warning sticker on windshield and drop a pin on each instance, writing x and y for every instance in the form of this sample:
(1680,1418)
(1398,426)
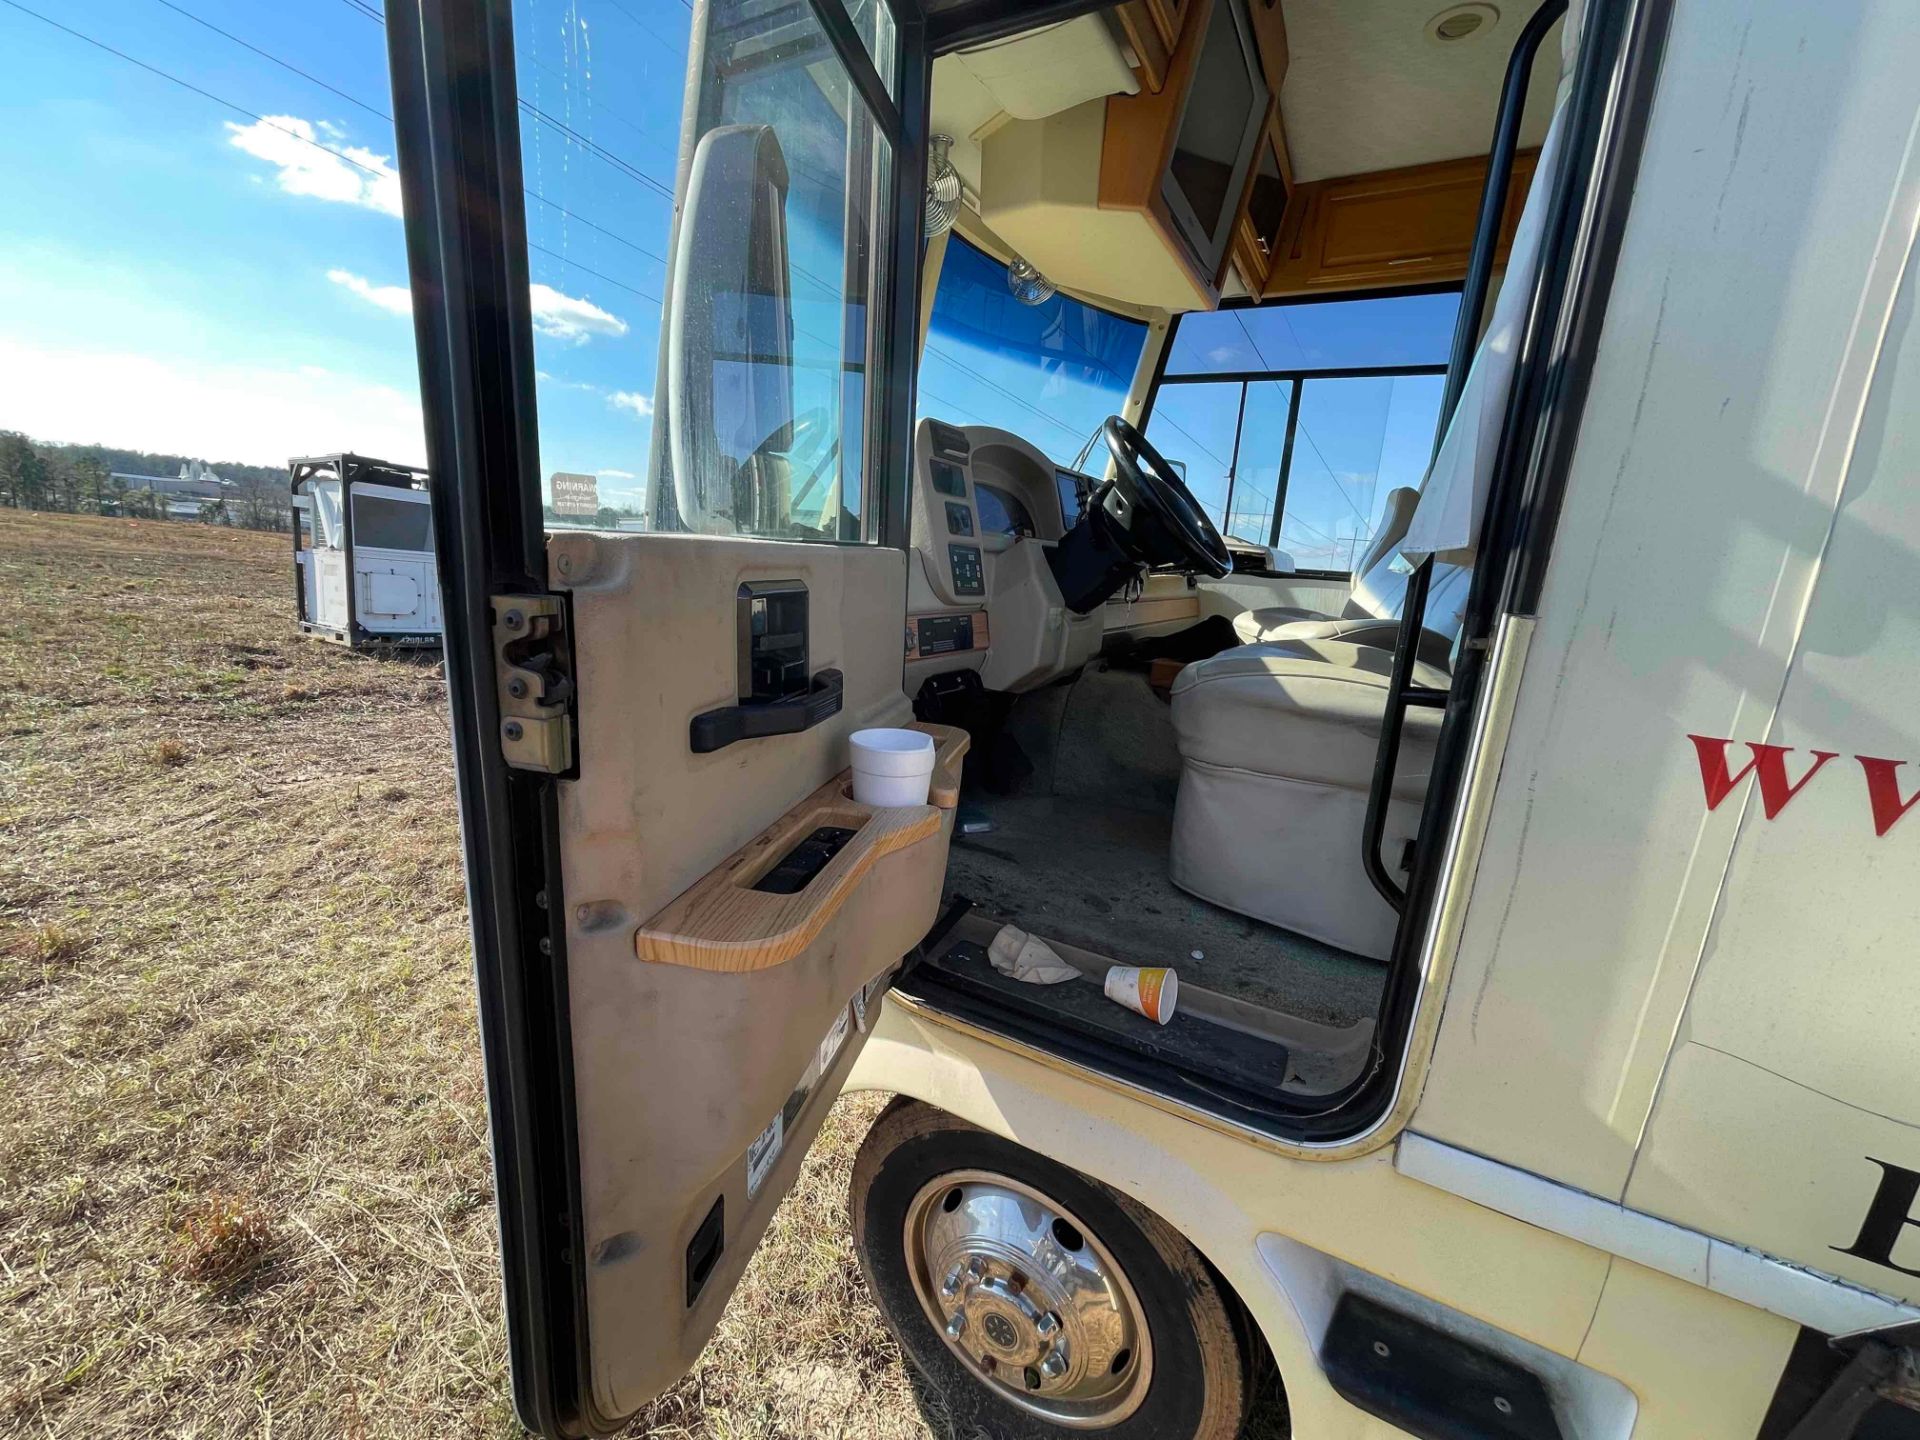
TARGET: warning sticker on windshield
(763,1152)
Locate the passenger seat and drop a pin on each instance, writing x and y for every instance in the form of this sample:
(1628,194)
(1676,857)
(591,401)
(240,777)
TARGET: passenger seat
(1276,747)
(1368,617)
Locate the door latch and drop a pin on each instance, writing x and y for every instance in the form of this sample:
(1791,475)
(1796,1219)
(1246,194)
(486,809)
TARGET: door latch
(533,668)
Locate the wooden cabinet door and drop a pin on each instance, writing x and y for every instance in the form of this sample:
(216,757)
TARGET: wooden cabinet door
(1169,16)
(1260,232)
(1392,227)
(1270,34)
(1151,49)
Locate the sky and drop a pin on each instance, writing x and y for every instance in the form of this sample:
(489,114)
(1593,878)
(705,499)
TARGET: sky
(221,271)
(201,252)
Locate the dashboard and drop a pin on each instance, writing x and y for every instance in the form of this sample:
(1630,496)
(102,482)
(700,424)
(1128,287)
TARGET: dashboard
(987,509)
(1002,512)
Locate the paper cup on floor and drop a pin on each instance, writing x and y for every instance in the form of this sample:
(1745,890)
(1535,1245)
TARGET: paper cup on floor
(892,767)
(1149,991)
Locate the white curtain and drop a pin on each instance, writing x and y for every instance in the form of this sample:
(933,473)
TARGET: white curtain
(1446,524)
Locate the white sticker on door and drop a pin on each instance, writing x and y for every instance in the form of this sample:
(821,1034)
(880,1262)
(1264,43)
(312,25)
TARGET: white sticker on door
(836,1037)
(763,1152)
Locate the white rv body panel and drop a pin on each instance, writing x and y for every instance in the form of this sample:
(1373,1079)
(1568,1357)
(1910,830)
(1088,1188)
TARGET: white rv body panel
(1678,1007)
(1641,977)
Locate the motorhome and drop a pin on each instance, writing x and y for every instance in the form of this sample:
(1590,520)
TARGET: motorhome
(363,552)
(1400,513)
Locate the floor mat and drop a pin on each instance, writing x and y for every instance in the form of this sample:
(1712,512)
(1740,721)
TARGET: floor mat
(1095,876)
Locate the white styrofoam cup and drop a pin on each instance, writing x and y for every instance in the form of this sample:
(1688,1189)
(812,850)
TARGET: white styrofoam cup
(892,767)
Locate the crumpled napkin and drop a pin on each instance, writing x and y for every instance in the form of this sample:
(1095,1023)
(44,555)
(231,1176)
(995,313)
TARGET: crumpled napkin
(1017,954)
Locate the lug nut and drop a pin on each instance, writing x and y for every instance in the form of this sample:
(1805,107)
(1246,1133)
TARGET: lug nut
(957,1326)
(961,1279)
(1046,1325)
(1054,1366)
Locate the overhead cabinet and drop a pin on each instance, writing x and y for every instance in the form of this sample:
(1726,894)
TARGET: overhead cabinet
(1179,158)
(1394,227)
(1156,195)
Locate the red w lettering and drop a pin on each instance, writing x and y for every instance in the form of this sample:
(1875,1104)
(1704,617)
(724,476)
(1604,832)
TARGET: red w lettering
(1769,764)
(1883,790)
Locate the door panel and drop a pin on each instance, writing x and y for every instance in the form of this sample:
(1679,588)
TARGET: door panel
(664,1033)
(680,1069)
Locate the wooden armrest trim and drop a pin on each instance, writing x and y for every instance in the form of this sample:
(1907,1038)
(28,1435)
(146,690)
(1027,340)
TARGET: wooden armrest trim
(722,923)
(950,748)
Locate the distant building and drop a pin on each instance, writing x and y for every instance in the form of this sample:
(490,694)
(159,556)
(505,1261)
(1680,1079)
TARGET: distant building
(184,494)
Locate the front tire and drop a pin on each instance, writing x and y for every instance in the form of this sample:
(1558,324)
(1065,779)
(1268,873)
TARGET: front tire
(1038,1303)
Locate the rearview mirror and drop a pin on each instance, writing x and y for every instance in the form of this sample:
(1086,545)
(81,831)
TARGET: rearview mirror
(730,337)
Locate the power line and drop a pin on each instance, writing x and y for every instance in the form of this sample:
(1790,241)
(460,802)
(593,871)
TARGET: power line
(953,406)
(1034,410)
(530,193)
(620,163)
(365,11)
(626,167)
(283,64)
(535,195)
(1301,347)
(646,27)
(175,79)
(620,284)
(1246,331)
(378,174)
(534,60)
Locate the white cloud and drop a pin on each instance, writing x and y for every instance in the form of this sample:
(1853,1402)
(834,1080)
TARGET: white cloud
(641,405)
(566,318)
(254,413)
(546,377)
(395,298)
(616,475)
(310,160)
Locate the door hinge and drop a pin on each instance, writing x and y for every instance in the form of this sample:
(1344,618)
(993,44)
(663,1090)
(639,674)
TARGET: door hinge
(533,668)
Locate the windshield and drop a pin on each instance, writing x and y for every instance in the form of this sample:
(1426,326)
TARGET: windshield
(1292,423)
(1050,373)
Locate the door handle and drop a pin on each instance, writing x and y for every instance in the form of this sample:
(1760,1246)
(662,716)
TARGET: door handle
(716,729)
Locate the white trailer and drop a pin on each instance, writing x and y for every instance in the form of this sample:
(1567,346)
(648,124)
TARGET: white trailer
(363,552)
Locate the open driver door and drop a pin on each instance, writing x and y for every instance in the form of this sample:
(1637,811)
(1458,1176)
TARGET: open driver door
(679,913)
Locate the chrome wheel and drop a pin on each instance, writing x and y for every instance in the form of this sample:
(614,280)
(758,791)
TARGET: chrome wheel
(1029,1298)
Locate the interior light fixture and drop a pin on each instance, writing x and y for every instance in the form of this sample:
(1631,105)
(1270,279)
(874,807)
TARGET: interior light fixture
(1028,285)
(1458,22)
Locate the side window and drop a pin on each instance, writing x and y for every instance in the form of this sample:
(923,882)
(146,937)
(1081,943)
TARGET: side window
(1355,440)
(1292,422)
(604,155)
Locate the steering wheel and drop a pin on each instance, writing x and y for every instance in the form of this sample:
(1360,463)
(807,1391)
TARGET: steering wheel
(1153,507)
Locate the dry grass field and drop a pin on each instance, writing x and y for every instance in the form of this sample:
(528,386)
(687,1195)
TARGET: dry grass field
(243,1178)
